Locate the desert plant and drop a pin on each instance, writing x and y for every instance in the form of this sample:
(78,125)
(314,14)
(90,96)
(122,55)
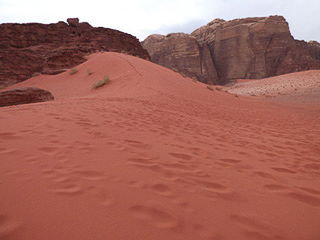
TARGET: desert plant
(73,71)
(236,95)
(106,79)
(89,72)
(195,80)
(210,88)
(101,83)
(35,74)
(218,88)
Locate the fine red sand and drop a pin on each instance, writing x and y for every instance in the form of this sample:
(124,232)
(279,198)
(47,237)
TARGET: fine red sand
(300,87)
(154,155)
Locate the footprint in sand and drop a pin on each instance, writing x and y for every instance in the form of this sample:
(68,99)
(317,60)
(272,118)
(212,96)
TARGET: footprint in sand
(206,233)
(264,175)
(83,145)
(310,190)
(8,150)
(137,144)
(275,187)
(70,190)
(8,136)
(177,166)
(229,160)
(49,150)
(158,169)
(250,223)
(284,170)
(161,189)
(155,216)
(181,156)
(304,198)
(140,160)
(97,134)
(213,186)
(312,166)
(89,174)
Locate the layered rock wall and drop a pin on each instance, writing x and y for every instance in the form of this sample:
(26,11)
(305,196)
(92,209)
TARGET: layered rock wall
(52,48)
(241,48)
(24,95)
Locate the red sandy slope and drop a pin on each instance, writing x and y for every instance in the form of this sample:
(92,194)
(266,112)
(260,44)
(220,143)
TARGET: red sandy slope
(153,155)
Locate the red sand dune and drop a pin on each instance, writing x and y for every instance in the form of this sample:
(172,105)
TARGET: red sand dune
(300,87)
(154,155)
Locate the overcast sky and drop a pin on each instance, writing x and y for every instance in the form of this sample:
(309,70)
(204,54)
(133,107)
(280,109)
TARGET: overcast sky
(144,17)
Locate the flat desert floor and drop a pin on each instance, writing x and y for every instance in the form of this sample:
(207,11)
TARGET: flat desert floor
(154,155)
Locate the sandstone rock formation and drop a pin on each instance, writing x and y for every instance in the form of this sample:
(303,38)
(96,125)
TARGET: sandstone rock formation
(52,48)
(24,95)
(181,52)
(242,48)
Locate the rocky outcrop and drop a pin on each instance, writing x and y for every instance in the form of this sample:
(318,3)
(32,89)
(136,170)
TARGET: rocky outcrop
(24,95)
(52,48)
(242,48)
(181,52)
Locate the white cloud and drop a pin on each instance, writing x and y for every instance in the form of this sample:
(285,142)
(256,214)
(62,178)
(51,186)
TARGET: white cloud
(143,17)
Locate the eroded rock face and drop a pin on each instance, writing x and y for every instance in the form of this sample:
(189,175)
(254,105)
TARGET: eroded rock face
(241,48)
(181,52)
(52,48)
(24,95)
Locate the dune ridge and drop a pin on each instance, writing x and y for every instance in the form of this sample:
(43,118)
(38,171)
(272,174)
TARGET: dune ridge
(155,155)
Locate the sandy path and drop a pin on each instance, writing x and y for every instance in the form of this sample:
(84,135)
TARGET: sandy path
(156,156)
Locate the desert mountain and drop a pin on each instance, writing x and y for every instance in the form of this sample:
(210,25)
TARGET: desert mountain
(250,48)
(31,48)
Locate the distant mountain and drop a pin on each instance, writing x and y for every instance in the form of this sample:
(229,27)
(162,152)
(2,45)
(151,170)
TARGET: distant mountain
(250,48)
(31,48)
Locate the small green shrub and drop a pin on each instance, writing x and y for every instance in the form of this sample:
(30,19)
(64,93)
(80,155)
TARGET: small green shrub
(73,71)
(219,88)
(89,72)
(210,88)
(101,83)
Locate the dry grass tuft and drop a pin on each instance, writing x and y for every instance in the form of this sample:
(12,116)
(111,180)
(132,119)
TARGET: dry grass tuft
(101,83)
(73,71)
(210,88)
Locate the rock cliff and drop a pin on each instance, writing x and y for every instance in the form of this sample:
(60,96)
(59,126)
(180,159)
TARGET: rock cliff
(181,52)
(52,48)
(243,48)
(24,95)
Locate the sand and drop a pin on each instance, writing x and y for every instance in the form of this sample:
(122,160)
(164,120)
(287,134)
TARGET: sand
(154,155)
(300,87)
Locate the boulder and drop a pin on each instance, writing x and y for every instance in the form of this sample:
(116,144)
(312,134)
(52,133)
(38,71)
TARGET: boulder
(24,95)
(73,22)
